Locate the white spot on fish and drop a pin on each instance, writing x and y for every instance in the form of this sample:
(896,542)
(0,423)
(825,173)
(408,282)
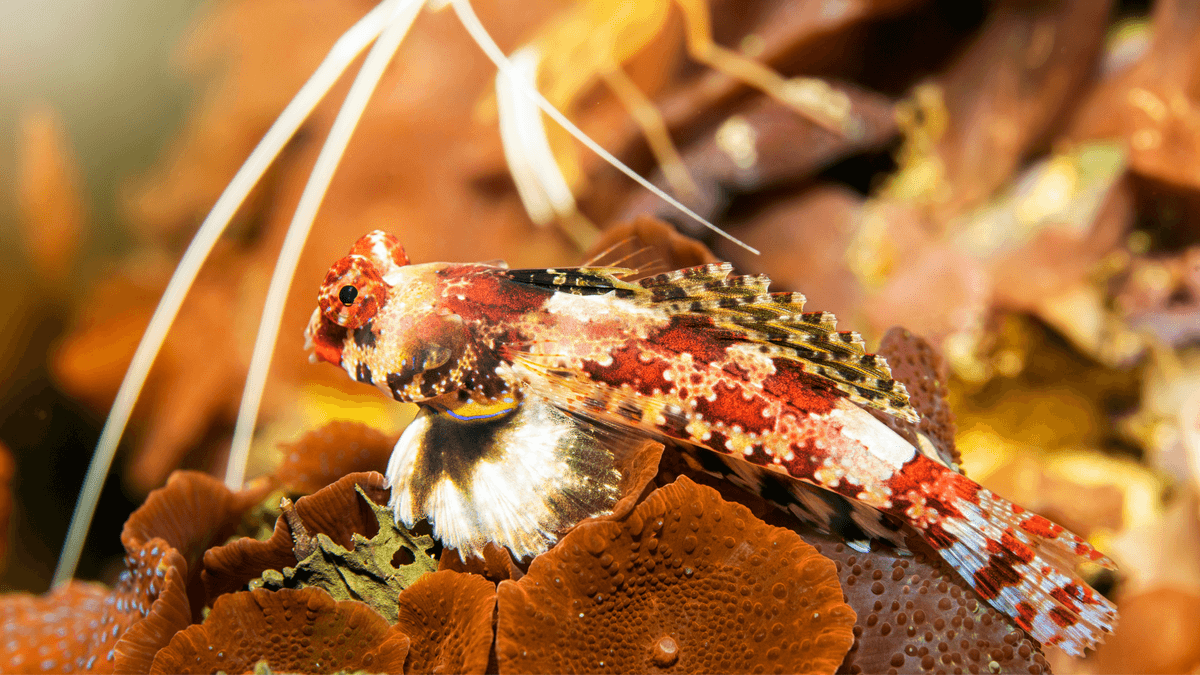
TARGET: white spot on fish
(879,440)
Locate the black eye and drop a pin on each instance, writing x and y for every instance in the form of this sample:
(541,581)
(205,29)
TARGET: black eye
(347,295)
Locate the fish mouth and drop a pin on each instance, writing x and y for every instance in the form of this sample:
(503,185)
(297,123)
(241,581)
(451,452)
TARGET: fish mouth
(323,339)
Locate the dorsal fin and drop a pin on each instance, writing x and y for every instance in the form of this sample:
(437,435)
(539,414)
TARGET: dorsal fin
(743,306)
(777,320)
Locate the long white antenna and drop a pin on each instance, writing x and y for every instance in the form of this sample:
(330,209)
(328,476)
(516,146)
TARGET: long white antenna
(466,14)
(401,14)
(344,51)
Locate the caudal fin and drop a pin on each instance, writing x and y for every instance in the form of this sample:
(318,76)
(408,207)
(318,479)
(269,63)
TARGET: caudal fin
(1024,565)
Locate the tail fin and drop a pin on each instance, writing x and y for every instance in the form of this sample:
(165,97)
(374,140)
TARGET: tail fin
(1023,564)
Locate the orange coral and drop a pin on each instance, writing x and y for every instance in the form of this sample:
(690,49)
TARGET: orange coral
(81,627)
(916,614)
(324,455)
(191,513)
(638,470)
(644,238)
(496,565)
(449,618)
(292,630)
(625,595)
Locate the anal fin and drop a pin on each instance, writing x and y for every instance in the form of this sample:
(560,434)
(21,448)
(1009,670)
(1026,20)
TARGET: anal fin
(859,524)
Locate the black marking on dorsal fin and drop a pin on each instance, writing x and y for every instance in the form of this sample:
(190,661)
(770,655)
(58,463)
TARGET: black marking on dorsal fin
(575,280)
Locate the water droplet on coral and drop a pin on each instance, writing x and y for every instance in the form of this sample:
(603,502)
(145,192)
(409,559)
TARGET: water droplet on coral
(665,652)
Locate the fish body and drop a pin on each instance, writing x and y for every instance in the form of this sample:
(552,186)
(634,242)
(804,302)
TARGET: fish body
(531,380)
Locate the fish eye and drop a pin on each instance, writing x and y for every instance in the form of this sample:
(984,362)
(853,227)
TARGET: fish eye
(353,292)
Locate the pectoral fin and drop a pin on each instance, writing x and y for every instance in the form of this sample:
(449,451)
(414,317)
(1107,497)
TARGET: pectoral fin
(517,473)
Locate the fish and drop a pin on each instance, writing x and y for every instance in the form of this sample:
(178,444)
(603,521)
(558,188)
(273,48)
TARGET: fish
(533,382)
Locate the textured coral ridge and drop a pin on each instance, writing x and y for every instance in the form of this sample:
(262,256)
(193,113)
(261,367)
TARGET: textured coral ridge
(293,630)
(685,583)
(450,616)
(83,627)
(712,360)
(914,613)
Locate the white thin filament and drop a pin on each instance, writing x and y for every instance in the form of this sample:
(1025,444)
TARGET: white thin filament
(466,14)
(344,51)
(401,15)
(539,180)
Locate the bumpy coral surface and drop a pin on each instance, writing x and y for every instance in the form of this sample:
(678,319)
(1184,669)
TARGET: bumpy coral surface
(450,617)
(82,627)
(292,630)
(686,583)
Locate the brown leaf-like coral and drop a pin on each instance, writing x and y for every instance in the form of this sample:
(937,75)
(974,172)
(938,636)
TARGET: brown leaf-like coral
(914,614)
(191,513)
(324,455)
(170,613)
(337,512)
(302,631)
(1009,88)
(82,627)
(638,469)
(496,565)
(1152,103)
(448,616)
(764,144)
(685,583)
(643,238)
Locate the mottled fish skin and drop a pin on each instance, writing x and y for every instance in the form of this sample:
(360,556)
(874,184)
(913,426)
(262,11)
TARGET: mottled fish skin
(708,359)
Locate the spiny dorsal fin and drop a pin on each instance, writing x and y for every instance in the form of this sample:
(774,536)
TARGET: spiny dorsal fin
(743,304)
